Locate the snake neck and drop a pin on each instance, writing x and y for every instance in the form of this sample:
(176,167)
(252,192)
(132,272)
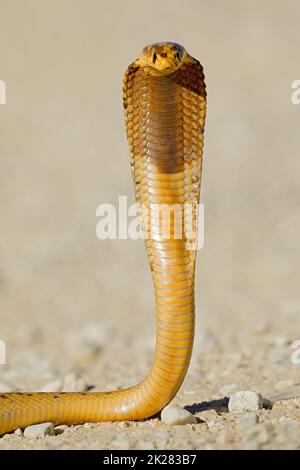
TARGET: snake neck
(166,167)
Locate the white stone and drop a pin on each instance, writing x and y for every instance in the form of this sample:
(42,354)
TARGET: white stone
(246,400)
(74,383)
(37,431)
(175,415)
(18,432)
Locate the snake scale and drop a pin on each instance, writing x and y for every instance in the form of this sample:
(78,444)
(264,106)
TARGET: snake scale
(165,103)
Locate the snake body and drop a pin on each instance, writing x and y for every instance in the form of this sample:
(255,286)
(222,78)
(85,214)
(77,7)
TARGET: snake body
(165,103)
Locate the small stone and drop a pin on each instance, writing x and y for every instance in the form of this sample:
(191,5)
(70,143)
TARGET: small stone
(284,384)
(227,389)
(18,432)
(38,431)
(211,424)
(6,387)
(123,424)
(60,429)
(74,383)
(175,415)
(54,386)
(208,415)
(243,401)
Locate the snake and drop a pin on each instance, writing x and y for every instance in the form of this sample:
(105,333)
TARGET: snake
(164,100)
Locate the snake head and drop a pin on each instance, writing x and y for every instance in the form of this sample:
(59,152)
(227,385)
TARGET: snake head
(162,58)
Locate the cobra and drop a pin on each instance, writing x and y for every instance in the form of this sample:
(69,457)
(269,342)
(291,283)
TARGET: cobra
(165,104)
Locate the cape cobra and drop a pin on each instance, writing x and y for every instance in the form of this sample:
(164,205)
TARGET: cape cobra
(165,104)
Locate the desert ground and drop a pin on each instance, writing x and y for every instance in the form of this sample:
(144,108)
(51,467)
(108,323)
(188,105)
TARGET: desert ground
(78,310)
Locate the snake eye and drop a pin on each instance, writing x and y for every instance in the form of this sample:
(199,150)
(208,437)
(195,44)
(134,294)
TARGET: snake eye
(154,57)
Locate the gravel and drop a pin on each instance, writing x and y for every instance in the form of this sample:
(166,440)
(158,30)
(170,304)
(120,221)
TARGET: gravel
(38,431)
(245,400)
(175,415)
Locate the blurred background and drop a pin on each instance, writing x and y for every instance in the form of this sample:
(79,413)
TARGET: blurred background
(63,151)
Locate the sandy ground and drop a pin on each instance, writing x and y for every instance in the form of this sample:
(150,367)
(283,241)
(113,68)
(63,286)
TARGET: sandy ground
(72,303)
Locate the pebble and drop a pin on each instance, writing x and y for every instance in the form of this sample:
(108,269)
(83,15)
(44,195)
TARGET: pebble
(18,432)
(211,424)
(208,415)
(60,429)
(175,415)
(39,430)
(74,383)
(54,386)
(123,424)
(284,384)
(246,400)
